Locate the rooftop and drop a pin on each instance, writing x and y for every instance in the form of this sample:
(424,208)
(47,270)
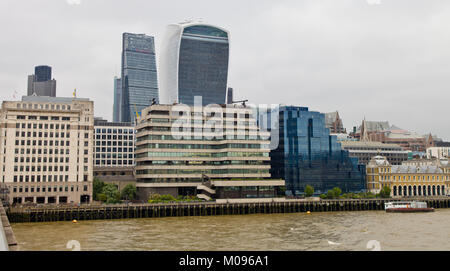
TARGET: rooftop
(43,99)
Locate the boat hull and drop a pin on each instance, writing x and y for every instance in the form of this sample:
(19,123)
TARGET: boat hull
(409,210)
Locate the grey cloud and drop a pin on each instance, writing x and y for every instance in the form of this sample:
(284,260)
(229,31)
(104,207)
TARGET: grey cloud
(385,62)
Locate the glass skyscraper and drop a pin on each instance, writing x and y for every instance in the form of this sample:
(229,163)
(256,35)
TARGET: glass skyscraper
(308,155)
(42,73)
(41,83)
(194,62)
(117,99)
(139,77)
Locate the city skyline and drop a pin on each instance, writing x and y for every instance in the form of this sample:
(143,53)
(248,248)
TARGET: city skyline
(391,66)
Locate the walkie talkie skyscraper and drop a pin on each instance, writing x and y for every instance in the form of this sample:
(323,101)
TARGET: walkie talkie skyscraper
(194,62)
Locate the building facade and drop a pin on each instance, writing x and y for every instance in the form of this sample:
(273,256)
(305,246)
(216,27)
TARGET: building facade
(409,180)
(334,122)
(41,83)
(114,152)
(376,131)
(139,75)
(366,150)
(438,152)
(117,106)
(230,160)
(194,62)
(308,155)
(47,147)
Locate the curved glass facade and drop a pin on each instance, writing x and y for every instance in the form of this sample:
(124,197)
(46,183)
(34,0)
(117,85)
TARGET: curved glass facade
(194,62)
(308,155)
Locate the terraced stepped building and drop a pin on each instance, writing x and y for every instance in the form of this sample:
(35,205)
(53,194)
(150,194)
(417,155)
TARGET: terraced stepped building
(213,153)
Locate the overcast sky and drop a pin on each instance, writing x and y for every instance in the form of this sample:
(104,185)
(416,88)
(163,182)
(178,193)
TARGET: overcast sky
(378,59)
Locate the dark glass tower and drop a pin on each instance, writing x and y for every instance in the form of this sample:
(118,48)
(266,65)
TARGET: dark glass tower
(194,62)
(41,83)
(42,73)
(139,77)
(308,155)
(117,99)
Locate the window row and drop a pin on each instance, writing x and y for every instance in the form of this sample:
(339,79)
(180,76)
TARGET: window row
(114,143)
(45,143)
(42,126)
(46,151)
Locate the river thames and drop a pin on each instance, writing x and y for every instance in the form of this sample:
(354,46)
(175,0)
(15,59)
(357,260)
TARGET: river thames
(299,231)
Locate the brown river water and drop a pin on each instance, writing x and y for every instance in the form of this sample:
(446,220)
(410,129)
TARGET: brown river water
(377,230)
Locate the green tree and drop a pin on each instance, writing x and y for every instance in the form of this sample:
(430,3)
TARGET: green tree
(330,194)
(334,193)
(385,192)
(309,191)
(97,188)
(337,192)
(101,197)
(128,192)
(111,192)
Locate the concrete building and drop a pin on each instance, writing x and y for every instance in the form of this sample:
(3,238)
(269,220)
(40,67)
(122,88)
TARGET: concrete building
(47,149)
(409,180)
(366,150)
(41,83)
(114,152)
(438,152)
(179,153)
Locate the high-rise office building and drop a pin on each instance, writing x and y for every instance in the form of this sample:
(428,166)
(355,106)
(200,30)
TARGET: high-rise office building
(43,73)
(234,158)
(114,152)
(194,62)
(47,149)
(139,77)
(41,83)
(308,155)
(117,99)
(230,96)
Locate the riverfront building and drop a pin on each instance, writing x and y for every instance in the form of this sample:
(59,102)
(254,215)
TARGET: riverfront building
(409,180)
(41,83)
(366,150)
(213,153)
(308,155)
(139,76)
(47,149)
(194,62)
(114,152)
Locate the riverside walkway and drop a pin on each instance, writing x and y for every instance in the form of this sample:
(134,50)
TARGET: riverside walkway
(96,212)
(7,239)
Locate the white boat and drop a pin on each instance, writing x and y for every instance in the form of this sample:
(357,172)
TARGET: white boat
(407,206)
